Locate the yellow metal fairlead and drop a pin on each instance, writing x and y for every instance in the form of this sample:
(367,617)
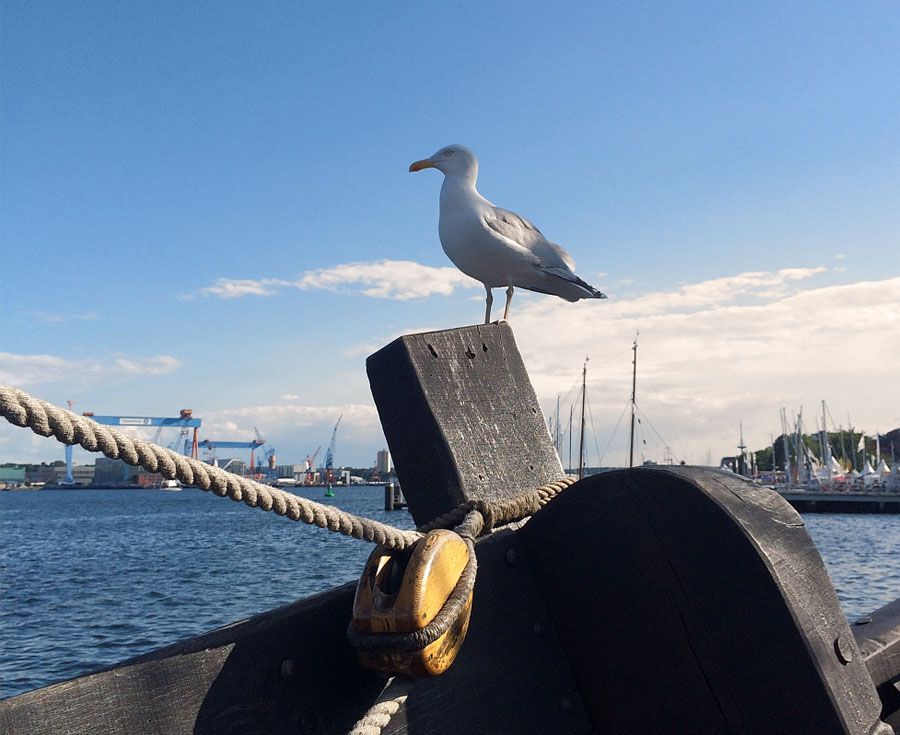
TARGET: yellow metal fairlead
(412,609)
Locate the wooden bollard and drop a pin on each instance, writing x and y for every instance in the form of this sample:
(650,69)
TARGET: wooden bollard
(461,418)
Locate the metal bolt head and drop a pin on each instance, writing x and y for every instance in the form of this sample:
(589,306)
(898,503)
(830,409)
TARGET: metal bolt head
(289,669)
(843,649)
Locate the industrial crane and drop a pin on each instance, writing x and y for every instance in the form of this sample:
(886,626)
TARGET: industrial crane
(184,421)
(329,454)
(69,479)
(212,445)
(310,467)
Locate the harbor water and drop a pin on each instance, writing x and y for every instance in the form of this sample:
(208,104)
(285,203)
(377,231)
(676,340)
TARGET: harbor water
(91,577)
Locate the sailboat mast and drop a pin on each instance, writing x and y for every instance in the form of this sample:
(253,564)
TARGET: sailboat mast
(633,409)
(571,412)
(557,424)
(787,448)
(583,401)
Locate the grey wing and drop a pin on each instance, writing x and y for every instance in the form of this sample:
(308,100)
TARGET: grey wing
(518,229)
(511,226)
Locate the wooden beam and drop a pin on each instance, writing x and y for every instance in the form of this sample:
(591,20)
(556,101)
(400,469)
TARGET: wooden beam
(878,637)
(288,670)
(461,418)
(694,601)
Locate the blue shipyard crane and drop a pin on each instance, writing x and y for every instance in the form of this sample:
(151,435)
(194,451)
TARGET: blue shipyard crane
(184,421)
(69,479)
(253,445)
(329,453)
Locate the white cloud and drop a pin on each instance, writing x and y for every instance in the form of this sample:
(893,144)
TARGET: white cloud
(714,353)
(229,288)
(358,418)
(399,280)
(24,370)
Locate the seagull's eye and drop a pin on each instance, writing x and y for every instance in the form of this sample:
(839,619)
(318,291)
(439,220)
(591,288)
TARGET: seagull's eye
(447,153)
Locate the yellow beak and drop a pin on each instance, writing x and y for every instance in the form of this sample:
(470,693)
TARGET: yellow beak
(419,165)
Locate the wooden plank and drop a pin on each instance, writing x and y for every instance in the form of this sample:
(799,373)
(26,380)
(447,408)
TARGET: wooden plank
(878,637)
(290,670)
(511,675)
(691,601)
(461,418)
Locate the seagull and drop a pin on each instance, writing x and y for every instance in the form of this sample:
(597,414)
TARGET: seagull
(493,245)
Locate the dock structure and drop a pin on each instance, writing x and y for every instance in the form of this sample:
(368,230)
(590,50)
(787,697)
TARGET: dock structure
(816,501)
(655,600)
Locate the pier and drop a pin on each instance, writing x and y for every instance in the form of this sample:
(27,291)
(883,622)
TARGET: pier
(819,501)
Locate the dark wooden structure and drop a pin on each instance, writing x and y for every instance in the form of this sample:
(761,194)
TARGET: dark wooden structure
(665,600)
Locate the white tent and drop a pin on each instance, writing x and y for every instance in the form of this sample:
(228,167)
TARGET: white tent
(868,474)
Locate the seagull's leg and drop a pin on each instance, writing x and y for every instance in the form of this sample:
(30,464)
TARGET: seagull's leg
(489,301)
(509,293)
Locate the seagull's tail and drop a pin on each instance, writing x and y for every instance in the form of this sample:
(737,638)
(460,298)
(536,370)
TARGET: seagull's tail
(575,288)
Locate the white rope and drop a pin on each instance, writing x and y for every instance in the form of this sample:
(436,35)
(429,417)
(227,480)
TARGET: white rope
(389,702)
(21,409)
(45,419)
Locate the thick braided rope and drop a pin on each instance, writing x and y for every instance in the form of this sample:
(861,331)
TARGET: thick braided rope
(389,702)
(45,419)
(500,512)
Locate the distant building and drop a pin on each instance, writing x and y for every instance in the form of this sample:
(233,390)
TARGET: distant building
(12,475)
(383,462)
(290,471)
(113,472)
(82,474)
(235,466)
(40,473)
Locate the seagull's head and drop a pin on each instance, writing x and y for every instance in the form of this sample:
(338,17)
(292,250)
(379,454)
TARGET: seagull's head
(451,160)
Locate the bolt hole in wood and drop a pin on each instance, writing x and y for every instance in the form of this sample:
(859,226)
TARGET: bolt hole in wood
(470,354)
(483,347)
(433,351)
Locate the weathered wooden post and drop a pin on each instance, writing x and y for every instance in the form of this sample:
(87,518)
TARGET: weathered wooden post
(461,418)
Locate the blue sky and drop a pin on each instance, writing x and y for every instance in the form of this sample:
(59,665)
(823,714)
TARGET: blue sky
(157,157)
